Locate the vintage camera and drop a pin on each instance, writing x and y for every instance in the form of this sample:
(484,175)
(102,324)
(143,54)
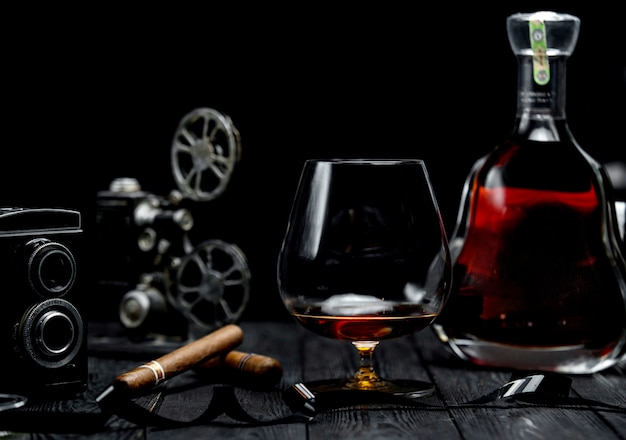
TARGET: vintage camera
(138,237)
(42,330)
(152,283)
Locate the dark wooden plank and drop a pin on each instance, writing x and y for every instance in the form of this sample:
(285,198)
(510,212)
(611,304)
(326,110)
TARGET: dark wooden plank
(458,383)
(608,386)
(399,359)
(306,356)
(369,422)
(324,358)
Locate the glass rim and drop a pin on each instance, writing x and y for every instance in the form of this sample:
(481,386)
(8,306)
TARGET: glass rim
(367,161)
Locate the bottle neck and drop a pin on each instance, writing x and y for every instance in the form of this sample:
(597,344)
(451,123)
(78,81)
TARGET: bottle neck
(541,107)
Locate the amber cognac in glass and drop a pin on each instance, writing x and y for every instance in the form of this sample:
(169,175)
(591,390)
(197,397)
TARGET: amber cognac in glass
(365,259)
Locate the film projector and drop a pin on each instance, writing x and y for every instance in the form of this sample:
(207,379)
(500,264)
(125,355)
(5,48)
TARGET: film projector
(155,288)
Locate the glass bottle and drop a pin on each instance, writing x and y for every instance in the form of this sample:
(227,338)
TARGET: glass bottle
(539,279)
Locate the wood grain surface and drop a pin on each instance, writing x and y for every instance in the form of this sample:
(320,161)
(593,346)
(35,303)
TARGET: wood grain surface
(304,356)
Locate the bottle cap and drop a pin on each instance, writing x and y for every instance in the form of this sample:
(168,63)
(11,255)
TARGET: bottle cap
(561,32)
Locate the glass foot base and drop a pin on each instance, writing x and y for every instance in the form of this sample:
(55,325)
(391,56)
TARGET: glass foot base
(308,399)
(409,389)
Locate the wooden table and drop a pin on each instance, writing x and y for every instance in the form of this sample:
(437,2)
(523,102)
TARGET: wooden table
(307,357)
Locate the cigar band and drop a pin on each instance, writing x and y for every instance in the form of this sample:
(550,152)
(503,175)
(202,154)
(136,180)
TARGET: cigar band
(242,362)
(157,369)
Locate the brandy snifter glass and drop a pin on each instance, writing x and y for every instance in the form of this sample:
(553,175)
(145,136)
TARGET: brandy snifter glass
(365,259)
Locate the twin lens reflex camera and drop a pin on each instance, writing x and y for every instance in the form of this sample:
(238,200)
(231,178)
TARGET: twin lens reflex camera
(42,325)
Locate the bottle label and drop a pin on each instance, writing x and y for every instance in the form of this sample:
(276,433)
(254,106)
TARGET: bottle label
(539,46)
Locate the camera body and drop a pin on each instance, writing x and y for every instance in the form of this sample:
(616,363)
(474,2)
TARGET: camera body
(42,330)
(139,237)
(152,284)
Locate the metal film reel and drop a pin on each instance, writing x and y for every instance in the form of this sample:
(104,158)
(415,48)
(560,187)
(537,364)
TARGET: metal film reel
(205,148)
(212,285)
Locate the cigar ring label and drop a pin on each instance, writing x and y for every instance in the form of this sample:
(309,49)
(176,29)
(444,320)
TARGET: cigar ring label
(242,362)
(157,369)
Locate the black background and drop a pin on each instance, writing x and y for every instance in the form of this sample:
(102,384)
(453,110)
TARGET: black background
(90,95)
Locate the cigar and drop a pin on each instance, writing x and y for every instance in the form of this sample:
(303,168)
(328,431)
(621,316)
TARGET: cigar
(242,369)
(146,376)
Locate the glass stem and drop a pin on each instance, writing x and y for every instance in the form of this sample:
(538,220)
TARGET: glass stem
(365,376)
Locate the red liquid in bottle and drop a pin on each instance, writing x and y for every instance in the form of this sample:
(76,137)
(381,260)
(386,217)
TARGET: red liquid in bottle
(539,281)
(532,273)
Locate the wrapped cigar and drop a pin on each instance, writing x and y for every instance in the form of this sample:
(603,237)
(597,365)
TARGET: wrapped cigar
(242,369)
(176,362)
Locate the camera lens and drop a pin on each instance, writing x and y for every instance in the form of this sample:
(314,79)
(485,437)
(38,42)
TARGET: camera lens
(51,267)
(52,332)
(141,305)
(55,332)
